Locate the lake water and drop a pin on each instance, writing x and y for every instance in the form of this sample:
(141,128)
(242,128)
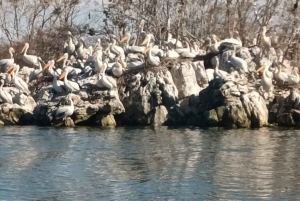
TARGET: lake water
(149,164)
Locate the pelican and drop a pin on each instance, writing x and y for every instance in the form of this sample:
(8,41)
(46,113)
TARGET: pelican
(293,78)
(67,110)
(70,85)
(282,77)
(108,82)
(50,66)
(216,43)
(82,49)
(4,95)
(131,49)
(266,41)
(57,85)
(117,50)
(266,80)
(30,59)
(238,62)
(36,74)
(174,42)
(219,73)
(155,50)
(71,70)
(71,46)
(152,60)
(19,83)
(188,53)
(6,63)
(117,68)
(98,61)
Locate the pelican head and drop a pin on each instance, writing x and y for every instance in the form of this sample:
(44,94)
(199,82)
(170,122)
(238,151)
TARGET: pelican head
(25,46)
(260,68)
(12,50)
(216,38)
(62,76)
(65,56)
(125,38)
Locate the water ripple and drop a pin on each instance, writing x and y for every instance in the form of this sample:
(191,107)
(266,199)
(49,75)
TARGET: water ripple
(149,164)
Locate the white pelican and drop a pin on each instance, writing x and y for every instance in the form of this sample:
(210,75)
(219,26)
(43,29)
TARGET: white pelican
(266,41)
(69,85)
(289,79)
(57,85)
(71,70)
(108,82)
(19,83)
(117,50)
(266,80)
(152,60)
(36,74)
(155,50)
(174,42)
(82,49)
(4,95)
(117,68)
(238,62)
(219,73)
(30,59)
(188,53)
(51,71)
(98,61)
(66,110)
(131,49)
(169,52)
(71,46)
(6,63)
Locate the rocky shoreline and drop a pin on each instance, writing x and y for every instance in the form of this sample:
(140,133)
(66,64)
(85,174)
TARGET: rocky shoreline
(181,95)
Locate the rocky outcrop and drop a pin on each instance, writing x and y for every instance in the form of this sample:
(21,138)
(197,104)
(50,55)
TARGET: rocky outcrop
(285,109)
(227,104)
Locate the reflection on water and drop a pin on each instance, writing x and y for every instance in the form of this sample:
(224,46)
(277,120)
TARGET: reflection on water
(148,164)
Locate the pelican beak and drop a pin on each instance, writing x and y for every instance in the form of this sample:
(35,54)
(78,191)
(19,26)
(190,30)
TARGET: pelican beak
(46,66)
(145,41)
(13,51)
(74,98)
(61,58)
(218,39)
(13,69)
(95,56)
(107,48)
(204,44)
(124,39)
(10,69)
(146,50)
(260,69)
(84,45)
(101,70)
(88,51)
(23,49)
(62,76)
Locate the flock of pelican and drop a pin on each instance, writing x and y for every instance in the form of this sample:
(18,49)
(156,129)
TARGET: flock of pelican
(108,60)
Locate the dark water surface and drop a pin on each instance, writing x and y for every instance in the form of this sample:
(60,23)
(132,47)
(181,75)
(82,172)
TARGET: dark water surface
(149,164)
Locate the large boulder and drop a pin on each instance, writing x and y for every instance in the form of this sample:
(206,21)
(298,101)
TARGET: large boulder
(185,80)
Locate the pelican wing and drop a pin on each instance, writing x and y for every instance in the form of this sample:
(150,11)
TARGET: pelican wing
(62,111)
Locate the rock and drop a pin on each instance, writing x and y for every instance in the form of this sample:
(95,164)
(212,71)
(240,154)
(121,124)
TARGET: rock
(160,114)
(185,80)
(256,109)
(106,120)
(69,122)
(201,75)
(210,118)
